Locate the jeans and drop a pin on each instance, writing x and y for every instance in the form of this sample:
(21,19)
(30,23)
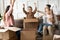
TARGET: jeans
(40,29)
(18,34)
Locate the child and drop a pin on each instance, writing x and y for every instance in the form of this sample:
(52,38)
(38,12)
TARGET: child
(48,21)
(8,17)
(29,14)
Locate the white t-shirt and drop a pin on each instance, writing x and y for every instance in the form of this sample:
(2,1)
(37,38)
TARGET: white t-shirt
(46,19)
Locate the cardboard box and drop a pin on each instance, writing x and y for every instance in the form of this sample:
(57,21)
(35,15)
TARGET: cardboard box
(13,38)
(47,37)
(6,34)
(30,20)
(28,35)
(56,37)
(30,23)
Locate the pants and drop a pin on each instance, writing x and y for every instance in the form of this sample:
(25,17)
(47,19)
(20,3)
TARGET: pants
(43,27)
(18,34)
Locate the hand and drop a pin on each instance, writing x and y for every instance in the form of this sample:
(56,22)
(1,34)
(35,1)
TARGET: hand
(35,4)
(24,5)
(38,11)
(12,2)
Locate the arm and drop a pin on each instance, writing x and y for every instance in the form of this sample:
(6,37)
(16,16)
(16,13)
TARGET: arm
(11,7)
(35,8)
(40,11)
(52,19)
(24,9)
(12,2)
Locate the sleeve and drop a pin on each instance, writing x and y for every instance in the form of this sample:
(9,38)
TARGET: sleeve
(35,10)
(24,11)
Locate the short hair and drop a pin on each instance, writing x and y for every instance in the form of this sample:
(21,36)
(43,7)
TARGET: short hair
(29,7)
(48,5)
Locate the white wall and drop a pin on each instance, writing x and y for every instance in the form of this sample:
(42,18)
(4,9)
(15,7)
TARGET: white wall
(18,12)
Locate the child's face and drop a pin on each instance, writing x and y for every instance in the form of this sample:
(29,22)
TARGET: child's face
(29,10)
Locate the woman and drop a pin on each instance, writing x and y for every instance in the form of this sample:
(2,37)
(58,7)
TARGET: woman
(8,17)
(48,21)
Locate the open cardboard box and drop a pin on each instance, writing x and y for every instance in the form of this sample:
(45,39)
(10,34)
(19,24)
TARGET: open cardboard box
(13,28)
(30,23)
(8,32)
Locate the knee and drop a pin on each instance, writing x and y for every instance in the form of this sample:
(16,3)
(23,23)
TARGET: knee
(49,27)
(44,27)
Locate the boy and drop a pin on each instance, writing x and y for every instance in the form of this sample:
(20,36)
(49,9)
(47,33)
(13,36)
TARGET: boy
(29,14)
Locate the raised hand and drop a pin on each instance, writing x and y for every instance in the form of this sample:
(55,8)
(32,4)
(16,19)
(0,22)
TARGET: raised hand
(13,1)
(24,5)
(35,4)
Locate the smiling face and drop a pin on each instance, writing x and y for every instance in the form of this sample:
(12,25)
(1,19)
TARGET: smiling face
(47,9)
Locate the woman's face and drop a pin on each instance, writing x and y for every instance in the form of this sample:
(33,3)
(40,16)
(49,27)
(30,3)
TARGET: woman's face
(46,9)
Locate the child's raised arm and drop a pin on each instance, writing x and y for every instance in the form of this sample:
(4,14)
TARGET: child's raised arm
(24,9)
(35,8)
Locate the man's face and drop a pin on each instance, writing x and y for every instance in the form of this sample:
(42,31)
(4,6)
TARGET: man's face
(29,10)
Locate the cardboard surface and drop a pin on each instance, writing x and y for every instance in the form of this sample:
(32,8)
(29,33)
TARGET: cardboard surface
(30,20)
(56,37)
(47,37)
(30,23)
(28,35)
(7,35)
(13,38)
(3,30)
(13,28)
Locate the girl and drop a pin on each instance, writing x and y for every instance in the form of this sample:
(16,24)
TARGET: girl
(8,17)
(48,21)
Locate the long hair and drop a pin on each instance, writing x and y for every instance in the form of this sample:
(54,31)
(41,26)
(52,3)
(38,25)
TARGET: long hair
(6,11)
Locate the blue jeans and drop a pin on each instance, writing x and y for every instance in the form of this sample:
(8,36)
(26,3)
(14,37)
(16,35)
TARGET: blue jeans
(40,29)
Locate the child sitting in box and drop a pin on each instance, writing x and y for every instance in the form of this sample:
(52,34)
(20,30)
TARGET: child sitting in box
(29,14)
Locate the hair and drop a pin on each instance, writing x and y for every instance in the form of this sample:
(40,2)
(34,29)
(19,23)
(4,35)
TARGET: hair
(29,7)
(6,11)
(49,6)
(7,8)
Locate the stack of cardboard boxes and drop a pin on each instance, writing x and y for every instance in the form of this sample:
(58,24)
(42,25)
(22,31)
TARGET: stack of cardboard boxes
(29,30)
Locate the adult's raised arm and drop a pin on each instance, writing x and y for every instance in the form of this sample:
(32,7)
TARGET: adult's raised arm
(12,2)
